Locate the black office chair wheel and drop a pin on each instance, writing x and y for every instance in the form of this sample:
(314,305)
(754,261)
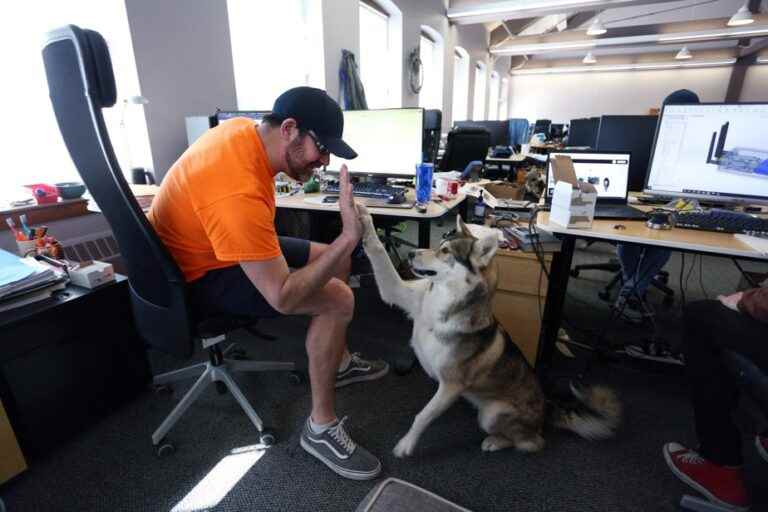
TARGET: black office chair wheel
(165,449)
(221,388)
(163,389)
(296,378)
(575,272)
(267,437)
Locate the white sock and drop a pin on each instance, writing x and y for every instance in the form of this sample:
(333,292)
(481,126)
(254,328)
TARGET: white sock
(319,428)
(345,360)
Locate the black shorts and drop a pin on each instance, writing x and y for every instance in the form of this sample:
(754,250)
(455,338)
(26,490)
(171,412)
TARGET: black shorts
(228,291)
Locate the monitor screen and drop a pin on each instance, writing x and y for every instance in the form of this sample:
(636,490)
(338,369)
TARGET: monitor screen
(387,142)
(223,115)
(711,151)
(499,130)
(608,172)
(633,134)
(583,132)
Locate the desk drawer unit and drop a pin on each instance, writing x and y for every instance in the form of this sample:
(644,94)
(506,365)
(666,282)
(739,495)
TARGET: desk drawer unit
(522,287)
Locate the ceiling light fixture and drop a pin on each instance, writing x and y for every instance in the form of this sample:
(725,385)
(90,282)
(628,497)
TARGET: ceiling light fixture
(683,54)
(622,67)
(742,17)
(589,58)
(596,28)
(711,35)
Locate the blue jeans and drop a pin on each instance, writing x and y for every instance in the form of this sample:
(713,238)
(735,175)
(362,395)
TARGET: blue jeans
(639,279)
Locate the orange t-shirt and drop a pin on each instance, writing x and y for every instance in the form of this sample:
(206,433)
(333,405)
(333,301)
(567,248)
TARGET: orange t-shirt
(216,205)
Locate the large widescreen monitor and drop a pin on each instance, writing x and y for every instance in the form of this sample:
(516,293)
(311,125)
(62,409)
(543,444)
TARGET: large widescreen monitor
(387,141)
(633,134)
(717,152)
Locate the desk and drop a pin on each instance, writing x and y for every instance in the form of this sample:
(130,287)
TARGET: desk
(434,210)
(684,240)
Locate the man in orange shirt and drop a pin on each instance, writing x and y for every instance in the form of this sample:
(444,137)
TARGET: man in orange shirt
(215,212)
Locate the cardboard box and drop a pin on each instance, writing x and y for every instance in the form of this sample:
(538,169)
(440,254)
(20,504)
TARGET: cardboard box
(505,190)
(573,201)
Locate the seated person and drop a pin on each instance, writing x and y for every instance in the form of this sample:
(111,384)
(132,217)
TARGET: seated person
(215,213)
(637,279)
(739,323)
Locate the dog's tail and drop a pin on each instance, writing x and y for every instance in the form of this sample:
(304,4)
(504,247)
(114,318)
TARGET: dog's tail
(595,413)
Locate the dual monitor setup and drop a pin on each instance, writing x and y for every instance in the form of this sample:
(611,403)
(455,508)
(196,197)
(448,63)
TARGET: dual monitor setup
(712,152)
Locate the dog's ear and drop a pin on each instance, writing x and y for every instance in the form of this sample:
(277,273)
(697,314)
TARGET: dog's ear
(462,228)
(484,250)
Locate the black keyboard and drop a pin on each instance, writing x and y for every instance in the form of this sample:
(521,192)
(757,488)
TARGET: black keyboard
(723,221)
(369,189)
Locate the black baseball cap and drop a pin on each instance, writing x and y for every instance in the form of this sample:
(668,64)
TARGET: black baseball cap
(314,110)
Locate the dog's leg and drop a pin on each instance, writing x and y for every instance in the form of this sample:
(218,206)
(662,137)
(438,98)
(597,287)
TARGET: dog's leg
(392,288)
(446,395)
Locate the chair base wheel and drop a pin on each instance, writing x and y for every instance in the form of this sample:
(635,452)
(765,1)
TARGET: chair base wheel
(606,296)
(165,449)
(574,273)
(163,389)
(296,378)
(267,438)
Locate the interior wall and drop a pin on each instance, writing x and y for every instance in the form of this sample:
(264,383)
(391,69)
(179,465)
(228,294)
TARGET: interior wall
(474,39)
(755,80)
(562,97)
(340,32)
(184,61)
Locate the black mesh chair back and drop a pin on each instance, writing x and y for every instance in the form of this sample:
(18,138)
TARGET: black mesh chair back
(433,121)
(81,83)
(465,145)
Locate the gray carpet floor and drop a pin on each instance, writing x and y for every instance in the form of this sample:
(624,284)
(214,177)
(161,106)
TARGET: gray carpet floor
(112,466)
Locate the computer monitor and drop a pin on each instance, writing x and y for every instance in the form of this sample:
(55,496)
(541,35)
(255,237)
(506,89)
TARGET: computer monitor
(499,130)
(387,142)
(222,115)
(712,151)
(633,134)
(542,126)
(607,171)
(556,131)
(583,132)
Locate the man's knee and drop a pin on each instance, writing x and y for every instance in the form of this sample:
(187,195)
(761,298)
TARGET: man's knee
(341,297)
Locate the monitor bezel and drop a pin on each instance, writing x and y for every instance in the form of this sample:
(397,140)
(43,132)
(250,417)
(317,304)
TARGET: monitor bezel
(385,175)
(712,198)
(600,200)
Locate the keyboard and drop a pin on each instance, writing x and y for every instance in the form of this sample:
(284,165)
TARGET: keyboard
(369,189)
(723,221)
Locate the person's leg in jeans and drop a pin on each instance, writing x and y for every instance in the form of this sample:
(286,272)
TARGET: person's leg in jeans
(638,279)
(714,470)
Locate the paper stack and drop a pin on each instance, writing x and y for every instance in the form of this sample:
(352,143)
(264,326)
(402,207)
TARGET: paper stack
(26,280)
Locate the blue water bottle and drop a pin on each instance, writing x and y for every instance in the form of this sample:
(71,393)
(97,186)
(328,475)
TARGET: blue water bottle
(424,182)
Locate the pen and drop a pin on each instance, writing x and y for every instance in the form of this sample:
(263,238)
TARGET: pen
(16,233)
(24,226)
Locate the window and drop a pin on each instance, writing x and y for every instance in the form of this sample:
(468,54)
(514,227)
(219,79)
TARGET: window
(380,62)
(460,84)
(504,100)
(297,60)
(33,150)
(478,109)
(431,54)
(493,97)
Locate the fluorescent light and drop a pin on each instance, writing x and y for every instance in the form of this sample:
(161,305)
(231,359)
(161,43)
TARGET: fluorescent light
(733,33)
(528,48)
(596,28)
(589,58)
(506,8)
(762,60)
(683,54)
(623,67)
(742,17)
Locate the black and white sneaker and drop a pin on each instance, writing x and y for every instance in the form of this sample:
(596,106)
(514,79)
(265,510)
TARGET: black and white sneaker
(334,448)
(360,370)
(654,351)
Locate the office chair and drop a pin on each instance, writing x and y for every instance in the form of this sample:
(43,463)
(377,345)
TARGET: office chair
(659,281)
(433,122)
(81,83)
(753,381)
(465,145)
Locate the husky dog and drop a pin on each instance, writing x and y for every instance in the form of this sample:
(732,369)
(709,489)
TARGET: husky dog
(461,345)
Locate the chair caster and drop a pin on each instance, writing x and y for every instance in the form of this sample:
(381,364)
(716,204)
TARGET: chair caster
(604,295)
(296,378)
(574,273)
(267,438)
(163,389)
(221,388)
(405,365)
(165,449)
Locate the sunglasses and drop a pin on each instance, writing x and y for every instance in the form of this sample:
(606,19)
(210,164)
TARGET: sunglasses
(319,145)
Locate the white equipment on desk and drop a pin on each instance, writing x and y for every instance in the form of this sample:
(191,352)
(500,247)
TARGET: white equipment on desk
(93,274)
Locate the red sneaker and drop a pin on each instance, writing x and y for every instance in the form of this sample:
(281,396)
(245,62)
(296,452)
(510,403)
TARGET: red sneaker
(720,484)
(761,443)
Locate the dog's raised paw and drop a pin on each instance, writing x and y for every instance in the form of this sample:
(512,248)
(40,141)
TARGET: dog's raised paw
(494,443)
(403,448)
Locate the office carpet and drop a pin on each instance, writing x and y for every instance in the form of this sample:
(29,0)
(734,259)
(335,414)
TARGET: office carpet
(112,466)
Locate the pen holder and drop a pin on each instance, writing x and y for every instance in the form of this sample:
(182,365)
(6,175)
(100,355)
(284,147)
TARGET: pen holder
(26,246)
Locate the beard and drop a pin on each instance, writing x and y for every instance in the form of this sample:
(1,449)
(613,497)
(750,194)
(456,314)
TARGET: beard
(298,167)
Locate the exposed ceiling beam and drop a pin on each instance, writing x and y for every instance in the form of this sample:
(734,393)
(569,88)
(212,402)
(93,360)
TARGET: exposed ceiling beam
(482,12)
(668,33)
(509,28)
(754,8)
(755,47)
